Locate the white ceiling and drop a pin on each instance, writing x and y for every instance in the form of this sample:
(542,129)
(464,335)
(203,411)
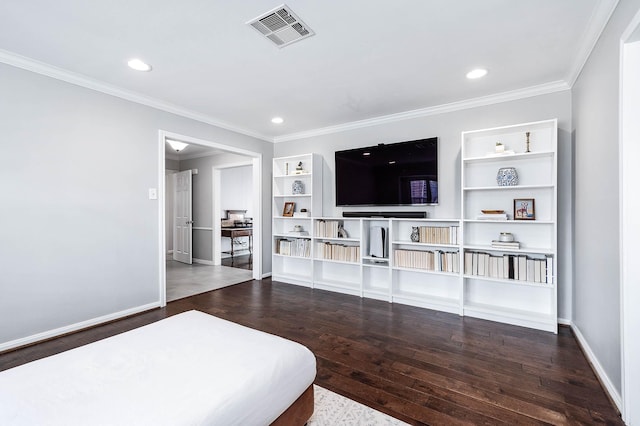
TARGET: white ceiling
(369,59)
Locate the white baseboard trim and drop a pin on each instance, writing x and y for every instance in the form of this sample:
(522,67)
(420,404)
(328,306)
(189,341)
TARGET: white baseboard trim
(202,261)
(75,327)
(602,375)
(266,275)
(564,321)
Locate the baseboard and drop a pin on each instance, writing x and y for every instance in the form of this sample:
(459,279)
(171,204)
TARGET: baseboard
(267,275)
(564,321)
(615,397)
(203,262)
(13,344)
(169,251)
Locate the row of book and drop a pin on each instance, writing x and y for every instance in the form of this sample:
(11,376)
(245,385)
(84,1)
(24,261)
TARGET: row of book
(435,260)
(327,228)
(300,247)
(438,234)
(509,267)
(341,252)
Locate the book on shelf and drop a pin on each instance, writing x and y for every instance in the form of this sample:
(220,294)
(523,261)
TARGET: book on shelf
(492,216)
(436,260)
(509,267)
(438,234)
(327,228)
(297,247)
(339,252)
(505,244)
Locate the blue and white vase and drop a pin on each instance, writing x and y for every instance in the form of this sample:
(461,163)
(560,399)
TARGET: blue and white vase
(507,176)
(297,187)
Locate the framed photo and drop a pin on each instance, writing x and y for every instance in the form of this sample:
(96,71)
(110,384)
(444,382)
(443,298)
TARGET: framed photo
(524,209)
(288,209)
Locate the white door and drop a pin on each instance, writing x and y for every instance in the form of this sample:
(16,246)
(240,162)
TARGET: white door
(182,217)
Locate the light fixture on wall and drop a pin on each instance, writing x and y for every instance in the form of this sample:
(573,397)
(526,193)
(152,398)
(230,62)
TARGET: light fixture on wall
(177,146)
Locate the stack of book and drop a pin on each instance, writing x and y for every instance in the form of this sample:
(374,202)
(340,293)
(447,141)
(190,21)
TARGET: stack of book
(505,244)
(492,215)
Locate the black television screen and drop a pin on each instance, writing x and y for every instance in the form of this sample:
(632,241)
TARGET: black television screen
(396,174)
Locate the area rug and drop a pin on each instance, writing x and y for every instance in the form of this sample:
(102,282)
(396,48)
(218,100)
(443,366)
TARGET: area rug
(332,409)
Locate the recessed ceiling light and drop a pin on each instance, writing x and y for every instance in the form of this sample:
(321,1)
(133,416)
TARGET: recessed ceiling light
(178,146)
(477,73)
(366,154)
(392,162)
(139,65)
(277,120)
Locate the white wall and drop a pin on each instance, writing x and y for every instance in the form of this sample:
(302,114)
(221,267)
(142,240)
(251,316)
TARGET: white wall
(597,256)
(448,127)
(80,242)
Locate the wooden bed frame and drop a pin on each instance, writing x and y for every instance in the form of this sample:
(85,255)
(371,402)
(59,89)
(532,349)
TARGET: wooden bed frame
(299,412)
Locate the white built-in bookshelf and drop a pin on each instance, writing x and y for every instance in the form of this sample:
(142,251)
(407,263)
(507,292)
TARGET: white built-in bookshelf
(528,298)
(292,252)
(434,267)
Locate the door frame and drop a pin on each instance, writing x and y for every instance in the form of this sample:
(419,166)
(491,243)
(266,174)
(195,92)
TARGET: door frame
(629,132)
(256,161)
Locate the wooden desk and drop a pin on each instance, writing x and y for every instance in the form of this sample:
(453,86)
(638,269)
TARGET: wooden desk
(235,233)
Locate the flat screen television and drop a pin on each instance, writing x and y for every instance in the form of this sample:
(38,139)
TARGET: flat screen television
(396,174)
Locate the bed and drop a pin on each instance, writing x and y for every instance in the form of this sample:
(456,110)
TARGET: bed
(188,369)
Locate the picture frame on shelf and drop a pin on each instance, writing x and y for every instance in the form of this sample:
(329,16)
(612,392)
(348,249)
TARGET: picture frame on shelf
(524,209)
(287,211)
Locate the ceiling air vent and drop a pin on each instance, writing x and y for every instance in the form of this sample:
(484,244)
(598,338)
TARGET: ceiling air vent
(281,26)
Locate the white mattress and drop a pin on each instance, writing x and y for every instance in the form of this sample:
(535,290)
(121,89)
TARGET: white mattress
(189,369)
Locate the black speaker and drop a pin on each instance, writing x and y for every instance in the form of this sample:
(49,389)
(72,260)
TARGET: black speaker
(407,215)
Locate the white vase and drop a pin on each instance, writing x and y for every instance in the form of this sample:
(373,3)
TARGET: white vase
(297,187)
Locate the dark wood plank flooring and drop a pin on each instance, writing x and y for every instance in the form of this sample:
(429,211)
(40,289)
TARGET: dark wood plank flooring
(420,366)
(244,261)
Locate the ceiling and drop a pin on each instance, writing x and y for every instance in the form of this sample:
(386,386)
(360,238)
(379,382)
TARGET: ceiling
(368,60)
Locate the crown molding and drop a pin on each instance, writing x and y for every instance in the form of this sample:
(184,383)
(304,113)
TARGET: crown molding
(597,23)
(45,69)
(543,89)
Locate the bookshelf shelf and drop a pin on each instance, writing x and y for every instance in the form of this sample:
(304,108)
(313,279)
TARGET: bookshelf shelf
(509,281)
(520,302)
(425,271)
(507,188)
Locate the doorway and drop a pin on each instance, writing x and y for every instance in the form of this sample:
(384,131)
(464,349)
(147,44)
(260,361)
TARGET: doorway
(205,229)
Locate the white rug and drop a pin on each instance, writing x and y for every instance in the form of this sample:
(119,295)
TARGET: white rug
(332,409)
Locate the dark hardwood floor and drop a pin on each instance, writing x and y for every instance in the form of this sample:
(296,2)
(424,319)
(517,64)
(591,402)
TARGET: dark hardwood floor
(243,262)
(420,366)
